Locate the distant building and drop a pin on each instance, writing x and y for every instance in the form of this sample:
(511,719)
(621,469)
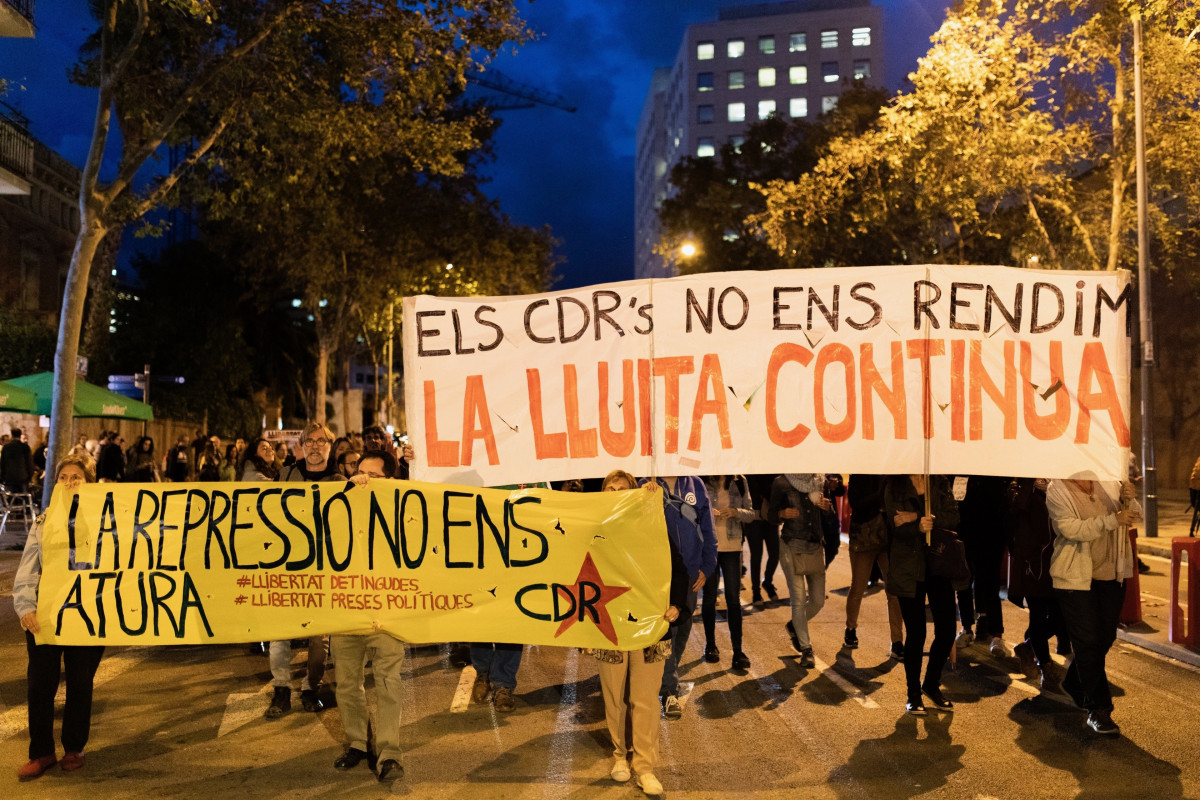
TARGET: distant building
(16,145)
(791,59)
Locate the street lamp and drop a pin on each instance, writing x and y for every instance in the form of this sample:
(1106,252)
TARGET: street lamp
(687,249)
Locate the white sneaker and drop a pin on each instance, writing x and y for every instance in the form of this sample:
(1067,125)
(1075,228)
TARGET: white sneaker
(620,770)
(999,648)
(649,784)
(964,639)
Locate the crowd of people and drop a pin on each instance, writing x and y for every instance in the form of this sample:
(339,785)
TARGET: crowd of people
(934,542)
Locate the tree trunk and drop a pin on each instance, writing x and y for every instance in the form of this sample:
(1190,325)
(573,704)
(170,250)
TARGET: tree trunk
(62,409)
(345,370)
(322,378)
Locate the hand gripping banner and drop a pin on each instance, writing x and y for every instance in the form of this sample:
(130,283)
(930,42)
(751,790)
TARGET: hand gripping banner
(184,563)
(989,370)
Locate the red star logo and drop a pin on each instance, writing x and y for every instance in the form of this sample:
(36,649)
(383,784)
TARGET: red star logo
(597,610)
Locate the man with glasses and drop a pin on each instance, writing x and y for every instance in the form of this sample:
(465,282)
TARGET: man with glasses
(316,442)
(386,652)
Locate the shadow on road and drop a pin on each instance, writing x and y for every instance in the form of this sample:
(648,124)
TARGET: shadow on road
(1103,766)
(901,764)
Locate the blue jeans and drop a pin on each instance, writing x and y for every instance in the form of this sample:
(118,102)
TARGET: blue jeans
(680,632)
(499,662)
(805,573)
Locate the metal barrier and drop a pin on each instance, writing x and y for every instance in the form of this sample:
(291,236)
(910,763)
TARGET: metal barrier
(20,503)
(1175,625)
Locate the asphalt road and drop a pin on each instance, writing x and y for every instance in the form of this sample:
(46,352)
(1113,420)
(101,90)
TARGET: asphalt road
(186,722)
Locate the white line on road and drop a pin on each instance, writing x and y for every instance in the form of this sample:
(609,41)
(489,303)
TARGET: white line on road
(846,686)
(462,694)
(562,741)
(242,708)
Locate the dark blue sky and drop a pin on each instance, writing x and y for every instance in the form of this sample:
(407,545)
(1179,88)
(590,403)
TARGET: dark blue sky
(573,172)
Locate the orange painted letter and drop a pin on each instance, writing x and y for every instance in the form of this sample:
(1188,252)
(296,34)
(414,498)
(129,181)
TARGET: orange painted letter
(475,408)
(782,354)
(710,399)
(981,382)
(670,368)
(442,452)
(894,398)
(923,350)
(582,440)
(1048,426)
(618,444)
(840,432)
(545,445)
(1095,367)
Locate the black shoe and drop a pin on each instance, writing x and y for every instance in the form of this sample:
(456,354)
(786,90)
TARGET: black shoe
(711,654)
(791,629)
(851,640)
(915,707)
(806,659)
(756,597)
(770,590)
(740,661)
(390,770)
(938,699)
(1101,722)
(310,701)
(349,759)
(897,651)
(281,703)
(1143,567)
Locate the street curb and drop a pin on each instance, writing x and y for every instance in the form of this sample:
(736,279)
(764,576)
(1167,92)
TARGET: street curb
(1154,548)
(1183,654)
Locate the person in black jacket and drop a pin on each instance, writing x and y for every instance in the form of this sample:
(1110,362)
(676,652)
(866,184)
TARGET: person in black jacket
(869,548)
(904,508)
(16,463)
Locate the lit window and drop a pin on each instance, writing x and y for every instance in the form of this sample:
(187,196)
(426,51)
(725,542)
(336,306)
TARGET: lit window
(766,76)
(704,114)
(704,81)
(705,148)
(737,142)
(797,75)
(828,39)
(860,37)
(797,42)
(705,51)
(737,79)
(862,69)
(798,107)
(735,48)
(766,108)
(766,45)
(737,112)
(829,71)
(828,103)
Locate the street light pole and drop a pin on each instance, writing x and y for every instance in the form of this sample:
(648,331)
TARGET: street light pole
(1145,326)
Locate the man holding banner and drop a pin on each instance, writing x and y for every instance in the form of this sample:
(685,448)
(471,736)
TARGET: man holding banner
(317,441)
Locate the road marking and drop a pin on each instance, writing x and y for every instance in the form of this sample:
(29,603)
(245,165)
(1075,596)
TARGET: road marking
(242,708)
(462,694)
(562,741)
(846,686)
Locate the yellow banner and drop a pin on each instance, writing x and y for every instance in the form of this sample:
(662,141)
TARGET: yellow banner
(191,563)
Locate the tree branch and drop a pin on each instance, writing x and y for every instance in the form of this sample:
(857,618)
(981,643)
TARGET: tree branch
(164,188)
(133,162)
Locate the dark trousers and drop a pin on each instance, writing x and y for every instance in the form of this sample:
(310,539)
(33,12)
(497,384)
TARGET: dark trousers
(680,632)
(912,609)
(980,602)
(46,662)
(1045,621)
(729,568)
(1091,618)
(758,534)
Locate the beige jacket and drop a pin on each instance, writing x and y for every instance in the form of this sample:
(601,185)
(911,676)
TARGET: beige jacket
(1071,565)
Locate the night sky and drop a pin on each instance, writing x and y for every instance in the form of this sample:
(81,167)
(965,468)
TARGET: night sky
(573,172)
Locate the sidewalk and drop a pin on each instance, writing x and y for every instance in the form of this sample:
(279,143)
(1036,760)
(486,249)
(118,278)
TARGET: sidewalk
(1174,519)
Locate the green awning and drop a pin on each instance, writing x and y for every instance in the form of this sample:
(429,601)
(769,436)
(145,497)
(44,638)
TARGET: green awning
(90,400)
(14,398)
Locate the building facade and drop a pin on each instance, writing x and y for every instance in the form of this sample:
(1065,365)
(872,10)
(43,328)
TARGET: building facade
(789,59)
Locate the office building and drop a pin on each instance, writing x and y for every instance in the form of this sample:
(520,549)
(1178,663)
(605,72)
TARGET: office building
(792,59)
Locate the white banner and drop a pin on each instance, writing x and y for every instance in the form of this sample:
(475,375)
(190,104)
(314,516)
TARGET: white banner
(973,369)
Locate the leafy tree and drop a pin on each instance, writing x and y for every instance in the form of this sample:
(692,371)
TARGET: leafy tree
(179,71)
(28,345)
(715,200)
